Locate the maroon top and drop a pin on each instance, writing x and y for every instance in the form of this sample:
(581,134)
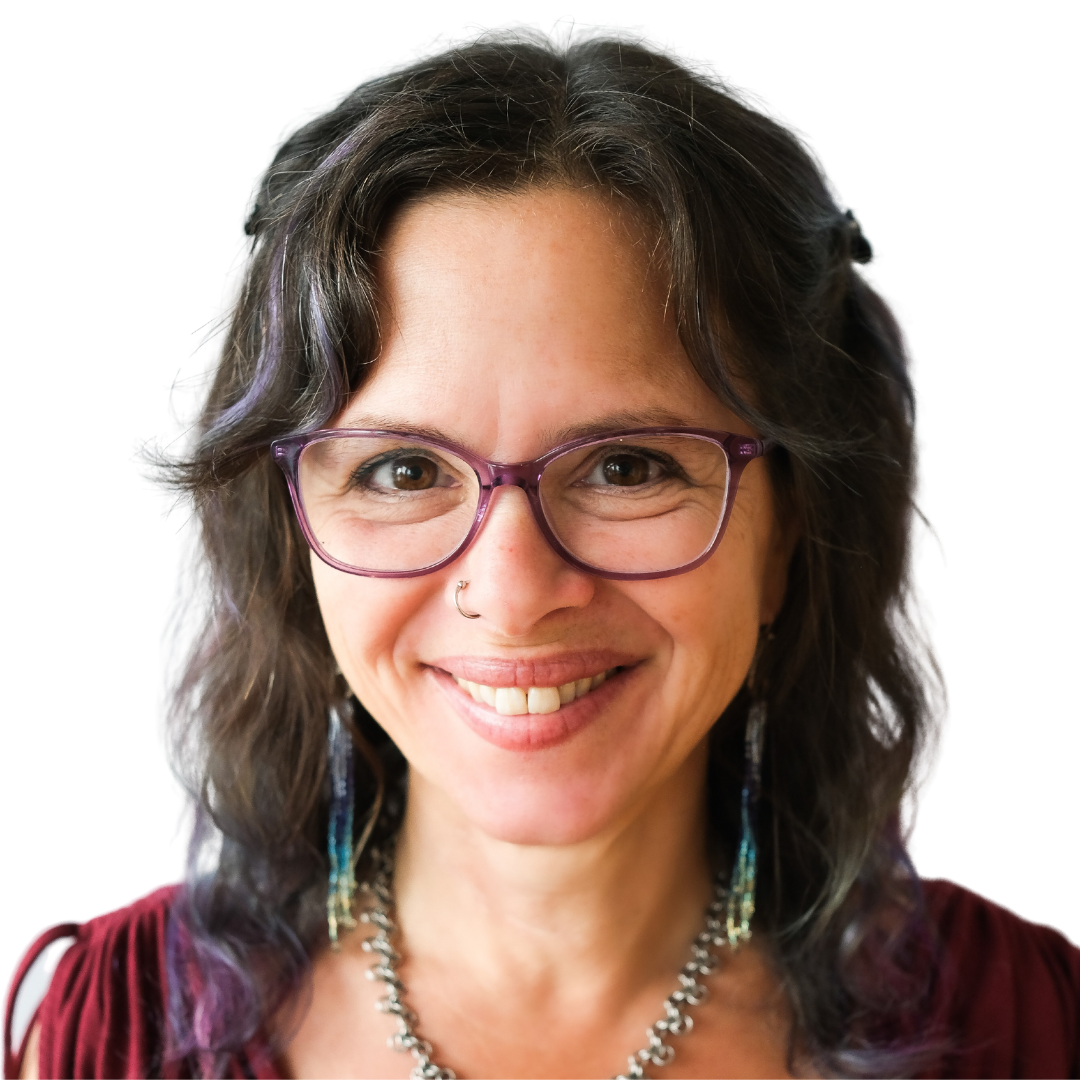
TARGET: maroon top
(1008,995)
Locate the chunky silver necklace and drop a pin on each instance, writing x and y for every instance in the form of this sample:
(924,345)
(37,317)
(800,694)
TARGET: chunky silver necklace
(658,1051)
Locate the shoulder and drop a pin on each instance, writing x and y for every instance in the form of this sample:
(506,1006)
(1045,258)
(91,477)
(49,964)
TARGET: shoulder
(1007,995)
(106,1009)
(103,1011)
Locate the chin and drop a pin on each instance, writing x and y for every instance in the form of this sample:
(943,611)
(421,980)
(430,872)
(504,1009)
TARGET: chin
(601,769)
(542,811)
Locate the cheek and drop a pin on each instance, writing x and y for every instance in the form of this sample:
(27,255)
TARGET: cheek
(711,617)
(714,631)
(367,621)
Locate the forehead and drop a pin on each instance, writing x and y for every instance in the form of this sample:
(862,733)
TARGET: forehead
(505,319)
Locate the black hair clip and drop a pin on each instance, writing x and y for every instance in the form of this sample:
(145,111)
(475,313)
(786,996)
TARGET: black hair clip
(858,245)
(251,226)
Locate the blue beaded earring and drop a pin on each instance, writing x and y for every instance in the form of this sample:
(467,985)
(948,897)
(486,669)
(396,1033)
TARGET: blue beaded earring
(342,884)
(744,874)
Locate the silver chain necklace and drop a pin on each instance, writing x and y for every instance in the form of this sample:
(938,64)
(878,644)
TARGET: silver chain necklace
(676,1021)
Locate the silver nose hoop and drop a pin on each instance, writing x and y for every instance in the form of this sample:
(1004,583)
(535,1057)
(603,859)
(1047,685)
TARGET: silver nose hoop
(457,602)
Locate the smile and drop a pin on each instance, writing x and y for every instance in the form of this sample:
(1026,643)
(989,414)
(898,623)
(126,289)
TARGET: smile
(535,703)
(517,700)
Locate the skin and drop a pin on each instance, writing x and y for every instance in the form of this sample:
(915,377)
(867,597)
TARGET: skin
(546,897)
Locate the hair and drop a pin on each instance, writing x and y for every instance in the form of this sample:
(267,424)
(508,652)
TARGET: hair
(778,322)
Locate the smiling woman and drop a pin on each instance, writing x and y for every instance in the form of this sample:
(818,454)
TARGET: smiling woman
(555,488)
(582,588)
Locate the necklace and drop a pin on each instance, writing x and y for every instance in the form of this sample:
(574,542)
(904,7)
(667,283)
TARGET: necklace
(657,1051)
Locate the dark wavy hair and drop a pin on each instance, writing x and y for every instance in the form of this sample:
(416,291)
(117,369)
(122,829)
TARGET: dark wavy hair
(776,319)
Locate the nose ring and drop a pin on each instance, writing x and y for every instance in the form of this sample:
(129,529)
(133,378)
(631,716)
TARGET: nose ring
(457,603)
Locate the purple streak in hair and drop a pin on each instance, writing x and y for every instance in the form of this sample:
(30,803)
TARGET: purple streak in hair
(214,1005)
(330,385)
(268,362)
(209,990)
(343,149)
(266,365)
(892,974)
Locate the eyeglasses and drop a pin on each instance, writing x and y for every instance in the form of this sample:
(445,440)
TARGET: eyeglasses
(641,503)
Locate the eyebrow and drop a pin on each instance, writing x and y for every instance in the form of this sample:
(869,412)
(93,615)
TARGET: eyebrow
(389,423)
(614,422)
(549,437)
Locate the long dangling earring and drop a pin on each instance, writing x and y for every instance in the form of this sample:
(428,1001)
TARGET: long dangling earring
(342,884)
(744,874)
(744,879)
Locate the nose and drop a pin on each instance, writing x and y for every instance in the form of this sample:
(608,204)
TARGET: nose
(515,577)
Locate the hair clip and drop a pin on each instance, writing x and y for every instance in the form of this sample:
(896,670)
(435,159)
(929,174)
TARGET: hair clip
(858,245)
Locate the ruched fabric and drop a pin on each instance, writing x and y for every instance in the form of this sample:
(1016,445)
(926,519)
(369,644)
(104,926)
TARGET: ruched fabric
(1007,993)
(1007,997)
(104,1012)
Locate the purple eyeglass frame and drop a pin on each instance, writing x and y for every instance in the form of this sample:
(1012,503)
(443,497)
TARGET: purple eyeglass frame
(739,450)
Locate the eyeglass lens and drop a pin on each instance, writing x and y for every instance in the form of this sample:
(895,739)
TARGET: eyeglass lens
(624,505)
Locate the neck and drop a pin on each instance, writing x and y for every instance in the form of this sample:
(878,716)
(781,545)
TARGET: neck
(608,912)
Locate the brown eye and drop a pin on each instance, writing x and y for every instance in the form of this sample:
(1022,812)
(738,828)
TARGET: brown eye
(626,470)
(413,474)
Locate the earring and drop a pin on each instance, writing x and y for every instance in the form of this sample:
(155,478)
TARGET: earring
(744,874)
(342,885)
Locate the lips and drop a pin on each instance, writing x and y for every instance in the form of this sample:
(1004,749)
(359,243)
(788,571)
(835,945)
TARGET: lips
(518,700)
(531,707)
(546,671)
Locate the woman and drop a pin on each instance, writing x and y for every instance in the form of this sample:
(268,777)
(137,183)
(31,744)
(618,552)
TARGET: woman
(614,737)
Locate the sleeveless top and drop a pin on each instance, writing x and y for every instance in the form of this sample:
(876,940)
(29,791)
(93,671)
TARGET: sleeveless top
(1007,994)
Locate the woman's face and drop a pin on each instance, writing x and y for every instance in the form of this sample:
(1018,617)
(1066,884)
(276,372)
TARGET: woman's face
(508,321)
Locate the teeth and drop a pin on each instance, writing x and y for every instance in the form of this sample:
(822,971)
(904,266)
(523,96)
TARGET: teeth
(510,701)
(543,699)
(515,701)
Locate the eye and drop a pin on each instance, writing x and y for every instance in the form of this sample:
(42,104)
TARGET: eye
(410,472)
(626,468)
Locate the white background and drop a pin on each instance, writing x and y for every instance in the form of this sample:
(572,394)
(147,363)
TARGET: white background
(132,137)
